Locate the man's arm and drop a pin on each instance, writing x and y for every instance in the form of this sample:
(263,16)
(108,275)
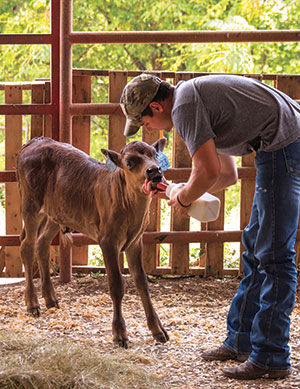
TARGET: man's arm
(228,173)
(211,172)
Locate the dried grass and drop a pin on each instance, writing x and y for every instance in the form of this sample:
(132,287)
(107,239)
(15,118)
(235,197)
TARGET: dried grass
(43,363)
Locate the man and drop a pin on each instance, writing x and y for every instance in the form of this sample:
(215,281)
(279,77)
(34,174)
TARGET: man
(219,117)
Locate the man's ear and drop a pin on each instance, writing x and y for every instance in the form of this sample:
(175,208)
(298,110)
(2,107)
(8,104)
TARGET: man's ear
(156,106)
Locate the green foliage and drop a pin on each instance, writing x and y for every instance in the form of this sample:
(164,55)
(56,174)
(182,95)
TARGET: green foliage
(232,197)
(33,16)
(231,255)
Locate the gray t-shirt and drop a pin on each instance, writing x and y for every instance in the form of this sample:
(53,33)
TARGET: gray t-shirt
(234,110)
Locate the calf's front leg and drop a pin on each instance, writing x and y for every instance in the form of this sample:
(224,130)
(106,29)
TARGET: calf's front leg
(134,259)
(27,253)
(46,235)
(116,289)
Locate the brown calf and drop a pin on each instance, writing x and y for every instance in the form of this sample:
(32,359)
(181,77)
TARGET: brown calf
(62,189)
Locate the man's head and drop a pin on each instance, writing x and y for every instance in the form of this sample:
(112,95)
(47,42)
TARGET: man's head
(136,97)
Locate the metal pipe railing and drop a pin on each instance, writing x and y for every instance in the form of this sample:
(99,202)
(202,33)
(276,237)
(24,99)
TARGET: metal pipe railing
(48,39)
(65,99)
(55,65)
(151,37)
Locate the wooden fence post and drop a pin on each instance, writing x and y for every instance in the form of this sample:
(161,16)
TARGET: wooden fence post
(214,265)
(182,159)
(151,252)
(47,118)
(116,123)
(13,143)
(37,121)
(81,139)
(116,139)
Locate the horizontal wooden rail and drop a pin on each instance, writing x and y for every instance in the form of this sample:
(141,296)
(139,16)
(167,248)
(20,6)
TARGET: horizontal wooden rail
(27,109)
(148,237)
(175,237)
(192,236)
(14,240)
(26,85)
(184,36)
(48,109)
(10,240)
(95,109)
(170,174)
(8,176)
(151,237)
(166,73)
(84,109)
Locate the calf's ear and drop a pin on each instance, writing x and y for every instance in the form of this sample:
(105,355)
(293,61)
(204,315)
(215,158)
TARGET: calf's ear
(113,156)
(160,144)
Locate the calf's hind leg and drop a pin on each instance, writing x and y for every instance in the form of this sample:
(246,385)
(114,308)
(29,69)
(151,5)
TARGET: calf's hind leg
(47,233)
(134,259)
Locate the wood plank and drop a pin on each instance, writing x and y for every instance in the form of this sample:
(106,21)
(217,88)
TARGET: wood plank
(289,85)
(116,139)
(151,252)
(181,159)
(37,121)
(82,92)
(48,118)
(214,250)
(116,122)
(13,143)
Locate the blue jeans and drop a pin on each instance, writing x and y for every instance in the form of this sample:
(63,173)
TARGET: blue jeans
(258,320)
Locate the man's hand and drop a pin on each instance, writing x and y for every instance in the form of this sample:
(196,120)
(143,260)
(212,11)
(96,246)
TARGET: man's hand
(179,208)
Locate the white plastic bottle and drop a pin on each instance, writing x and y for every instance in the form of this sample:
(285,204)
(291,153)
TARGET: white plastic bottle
(205,209)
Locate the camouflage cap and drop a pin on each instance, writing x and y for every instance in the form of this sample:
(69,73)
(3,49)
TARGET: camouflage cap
(136,97)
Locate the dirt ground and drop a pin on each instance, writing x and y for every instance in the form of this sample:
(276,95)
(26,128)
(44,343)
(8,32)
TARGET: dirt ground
(193,310)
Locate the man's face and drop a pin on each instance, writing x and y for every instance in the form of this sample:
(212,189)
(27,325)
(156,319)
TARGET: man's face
(160,120)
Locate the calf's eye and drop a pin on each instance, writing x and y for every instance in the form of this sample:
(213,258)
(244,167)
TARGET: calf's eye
(129,164)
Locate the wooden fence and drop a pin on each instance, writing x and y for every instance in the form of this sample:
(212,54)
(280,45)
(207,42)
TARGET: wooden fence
(210,236)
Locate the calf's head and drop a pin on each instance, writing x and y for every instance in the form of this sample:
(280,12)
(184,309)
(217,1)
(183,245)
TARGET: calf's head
(139,161)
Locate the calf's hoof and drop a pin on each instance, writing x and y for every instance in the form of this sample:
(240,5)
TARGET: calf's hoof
(124,343)
(161,338)
(53,304)
(34,311)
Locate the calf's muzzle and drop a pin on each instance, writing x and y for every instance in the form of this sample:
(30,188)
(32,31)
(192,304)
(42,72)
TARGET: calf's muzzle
(154,174)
